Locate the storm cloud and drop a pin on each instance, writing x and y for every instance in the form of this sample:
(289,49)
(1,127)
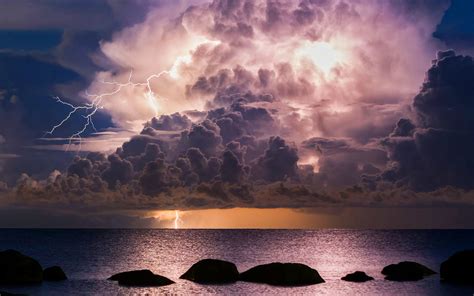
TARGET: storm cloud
(435,150)
(263,104)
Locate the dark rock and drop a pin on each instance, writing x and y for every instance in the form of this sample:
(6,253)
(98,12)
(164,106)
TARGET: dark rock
(212,271)
(53,274)
(18,269)
(282,274)
(406,271)
(459,268)
(140,278)
(358,276)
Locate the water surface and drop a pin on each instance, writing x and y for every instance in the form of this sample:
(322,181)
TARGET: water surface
(90,256)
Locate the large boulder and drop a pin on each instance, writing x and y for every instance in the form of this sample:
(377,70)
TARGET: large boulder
(54,274)
(140,278)
(212,271)
(459,268)
(358,277)
(406,271)
(282,274)
(18,269)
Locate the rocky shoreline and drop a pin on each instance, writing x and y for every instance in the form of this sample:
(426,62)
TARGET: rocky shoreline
(18,269)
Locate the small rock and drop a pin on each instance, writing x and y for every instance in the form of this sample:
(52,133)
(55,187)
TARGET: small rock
(18,269)
(282,274)
(358,277)
(406,271)
(140,278)
(212,271)
(459,268)
(54,274)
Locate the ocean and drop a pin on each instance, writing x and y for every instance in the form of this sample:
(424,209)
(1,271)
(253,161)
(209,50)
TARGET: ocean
(90,256)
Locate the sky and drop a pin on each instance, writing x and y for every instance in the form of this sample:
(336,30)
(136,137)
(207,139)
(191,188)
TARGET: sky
(237,114)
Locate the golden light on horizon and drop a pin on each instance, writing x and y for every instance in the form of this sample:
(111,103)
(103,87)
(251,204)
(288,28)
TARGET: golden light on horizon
(170,218)
(233,218)
(289,218)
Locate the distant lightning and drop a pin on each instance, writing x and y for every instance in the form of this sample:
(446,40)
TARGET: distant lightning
(177,219)
(91,108)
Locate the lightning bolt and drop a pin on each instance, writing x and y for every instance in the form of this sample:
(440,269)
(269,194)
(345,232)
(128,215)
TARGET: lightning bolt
(95,105)
(177,219)
(90,109)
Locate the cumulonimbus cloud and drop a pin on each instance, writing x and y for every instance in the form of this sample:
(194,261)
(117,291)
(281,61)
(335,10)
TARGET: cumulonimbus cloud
(268,104)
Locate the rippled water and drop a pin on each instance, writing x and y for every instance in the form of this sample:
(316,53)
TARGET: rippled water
(90,256)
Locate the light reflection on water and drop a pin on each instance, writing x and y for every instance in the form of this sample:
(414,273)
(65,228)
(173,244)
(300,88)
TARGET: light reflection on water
(90,256)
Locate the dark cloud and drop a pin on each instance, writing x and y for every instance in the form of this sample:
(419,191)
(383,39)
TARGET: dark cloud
(240,119)
(253,147)
(137,145)
(342,162)
(151,153)
(278,162)
(204,136)
(120,171)
(445,100)
(157,177)
(232,170)
(81,167)
(204,168)
(173,122)
(404,128)
(215,190)
(437,152)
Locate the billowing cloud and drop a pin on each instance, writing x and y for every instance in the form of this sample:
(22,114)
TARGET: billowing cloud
(272,104)
(315,74)
(435,149)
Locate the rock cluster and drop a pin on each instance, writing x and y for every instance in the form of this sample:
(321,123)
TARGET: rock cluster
(19,269)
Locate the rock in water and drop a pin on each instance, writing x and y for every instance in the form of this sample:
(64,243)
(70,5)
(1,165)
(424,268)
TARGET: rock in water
(140,278)
(54,274)
(282,274)
(358,277)
(18,269)
(406,271)
(459,268)
(212,271)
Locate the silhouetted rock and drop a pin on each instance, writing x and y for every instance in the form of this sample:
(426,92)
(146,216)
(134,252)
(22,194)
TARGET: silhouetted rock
(406,271)
(459,268)
(53,274)
(16,268)
(358,276)
(212,271)
(282,274)
(140,278)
